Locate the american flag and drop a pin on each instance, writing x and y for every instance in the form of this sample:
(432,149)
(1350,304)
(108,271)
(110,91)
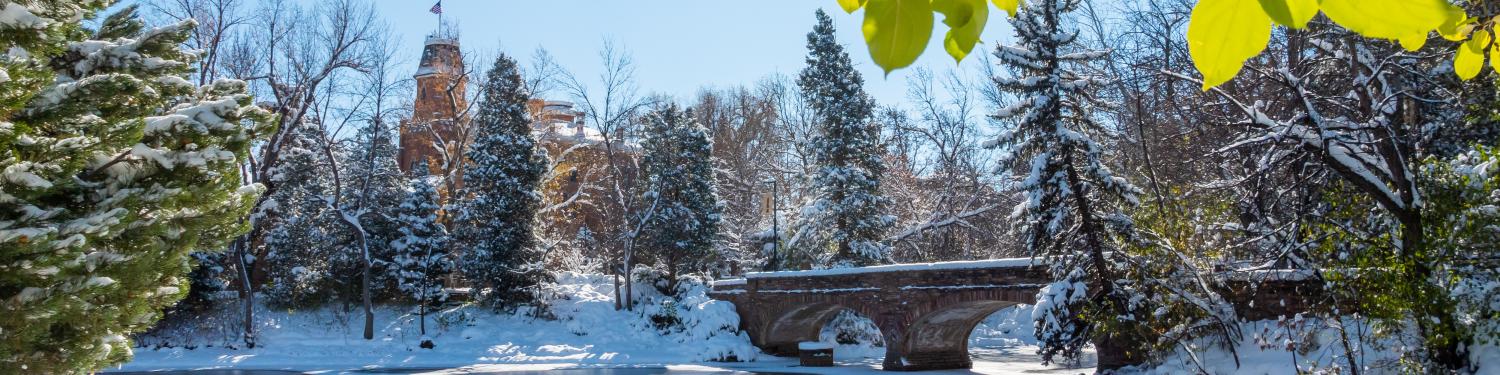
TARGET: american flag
(437,8)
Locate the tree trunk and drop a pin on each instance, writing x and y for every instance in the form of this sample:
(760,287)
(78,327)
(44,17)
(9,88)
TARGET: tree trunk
(247,293)
(1117,349)
(1431,310)
(615,276)
(629,289)
(365,287)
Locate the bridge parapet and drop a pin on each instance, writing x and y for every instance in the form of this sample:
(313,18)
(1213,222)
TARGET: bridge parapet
(937,276)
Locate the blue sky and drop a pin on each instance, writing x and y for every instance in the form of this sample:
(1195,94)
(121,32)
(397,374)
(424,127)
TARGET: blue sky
(678,45)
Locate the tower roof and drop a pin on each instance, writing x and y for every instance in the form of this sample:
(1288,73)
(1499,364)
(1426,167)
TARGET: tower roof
(442,39)
(440,55)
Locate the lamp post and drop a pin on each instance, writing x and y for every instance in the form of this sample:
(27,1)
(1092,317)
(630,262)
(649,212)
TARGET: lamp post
(775,258)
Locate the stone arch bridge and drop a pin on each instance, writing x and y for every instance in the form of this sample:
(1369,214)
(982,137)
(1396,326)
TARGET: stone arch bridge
(926,312)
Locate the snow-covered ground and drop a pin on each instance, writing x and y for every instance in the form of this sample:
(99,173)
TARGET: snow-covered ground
(588,333)
(1307,346)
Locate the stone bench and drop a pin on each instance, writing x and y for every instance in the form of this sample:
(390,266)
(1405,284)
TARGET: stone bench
(815,354)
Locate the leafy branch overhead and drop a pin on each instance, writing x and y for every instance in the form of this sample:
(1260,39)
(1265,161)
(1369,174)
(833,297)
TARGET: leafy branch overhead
(897,31)
(1222,34)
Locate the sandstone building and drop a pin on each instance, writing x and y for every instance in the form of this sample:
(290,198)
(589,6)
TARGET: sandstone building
(575,193)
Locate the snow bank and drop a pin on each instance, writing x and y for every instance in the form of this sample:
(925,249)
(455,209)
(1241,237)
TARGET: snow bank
(961,265)
(588,333)
(587,330)
(1283,347)
(1009,327)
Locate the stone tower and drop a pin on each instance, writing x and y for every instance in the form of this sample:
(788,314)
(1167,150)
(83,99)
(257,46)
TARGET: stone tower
(433,112)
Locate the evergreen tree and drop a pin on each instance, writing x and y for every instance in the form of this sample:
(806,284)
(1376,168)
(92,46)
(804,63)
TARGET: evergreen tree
(204,282)
(847,216)
(300,262)
(115,169)
(1071,215)
(421,258)
(373,177)
(497,208)
(682,215)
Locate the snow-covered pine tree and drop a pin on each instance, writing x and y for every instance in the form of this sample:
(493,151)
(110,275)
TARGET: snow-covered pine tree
(300,261)
(371,175)
(421,260)
(1071,216)
(115,168)
(497,208)
(847,218)
(682,210)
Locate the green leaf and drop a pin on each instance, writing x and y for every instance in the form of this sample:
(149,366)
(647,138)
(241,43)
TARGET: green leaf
(1009,6)
(1222,34)
(897,31)
(965,20)
(1470,57)
(1389,19)
(1290,13)
(851,5)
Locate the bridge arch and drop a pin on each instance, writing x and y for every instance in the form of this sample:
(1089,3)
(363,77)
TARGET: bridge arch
(936,335)
(949,327)
(798,324)
(786,326)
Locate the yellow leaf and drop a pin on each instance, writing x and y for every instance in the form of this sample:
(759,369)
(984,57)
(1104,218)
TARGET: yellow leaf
(851,5)
(1222,34)
(1389,19)
(1008,5)
(1470,57)
(1457,27)
(965,20)
(897,31)
(1414,42)
(1291,13)
(1495,51)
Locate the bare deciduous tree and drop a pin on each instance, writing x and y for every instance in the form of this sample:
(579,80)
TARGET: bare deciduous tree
(613,108)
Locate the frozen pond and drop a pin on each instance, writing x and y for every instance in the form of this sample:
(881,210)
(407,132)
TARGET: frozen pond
(574,371)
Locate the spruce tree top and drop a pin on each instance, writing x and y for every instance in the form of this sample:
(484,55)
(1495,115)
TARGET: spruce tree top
(830,82)
(503,110)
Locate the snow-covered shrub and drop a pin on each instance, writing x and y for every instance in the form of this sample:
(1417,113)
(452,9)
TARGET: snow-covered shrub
(706,329)
(451,319)
(850,328)
(1293,345)
(665,316)
(1464,209)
